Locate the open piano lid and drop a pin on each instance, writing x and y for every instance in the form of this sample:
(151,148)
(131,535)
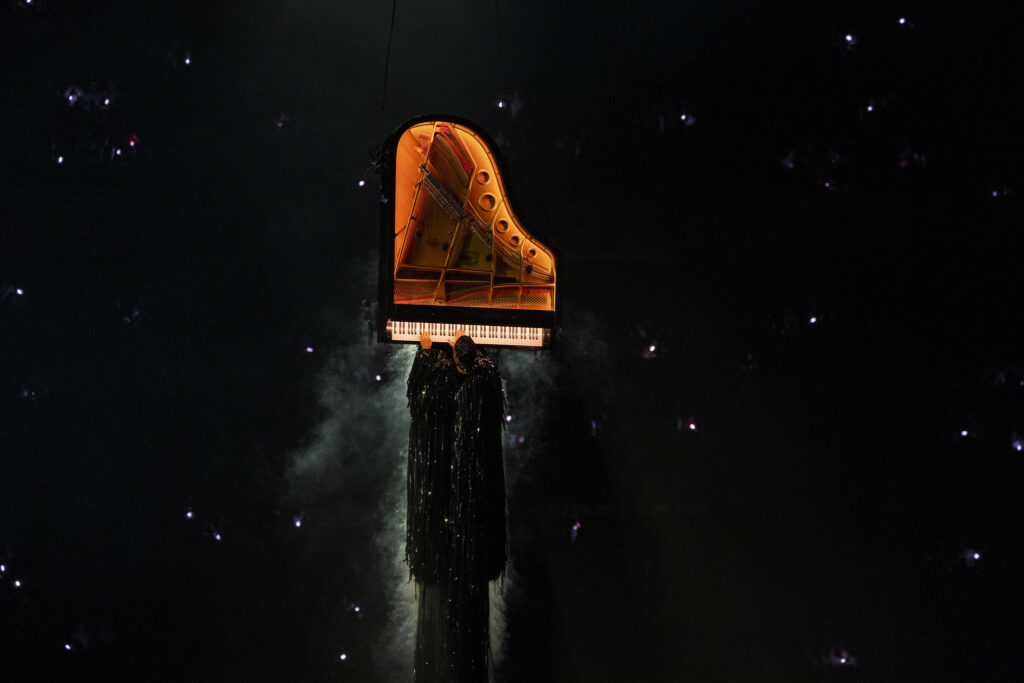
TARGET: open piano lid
(453,253)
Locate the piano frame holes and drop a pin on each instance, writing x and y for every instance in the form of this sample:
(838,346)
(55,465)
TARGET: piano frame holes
(483,177)
(501,226)
(529,269)
(515,239)
(532,253)
(487,202)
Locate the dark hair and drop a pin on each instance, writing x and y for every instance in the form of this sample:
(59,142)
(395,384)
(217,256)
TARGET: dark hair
(465,350)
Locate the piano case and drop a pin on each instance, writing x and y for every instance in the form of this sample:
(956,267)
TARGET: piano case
(453,253)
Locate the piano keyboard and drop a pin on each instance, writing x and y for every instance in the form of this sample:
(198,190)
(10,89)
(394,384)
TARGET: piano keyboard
(486,335)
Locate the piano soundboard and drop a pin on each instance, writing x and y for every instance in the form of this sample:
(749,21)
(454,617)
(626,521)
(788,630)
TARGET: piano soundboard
(454,255)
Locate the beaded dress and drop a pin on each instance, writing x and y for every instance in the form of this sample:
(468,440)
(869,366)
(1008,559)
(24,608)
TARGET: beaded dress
(455,523)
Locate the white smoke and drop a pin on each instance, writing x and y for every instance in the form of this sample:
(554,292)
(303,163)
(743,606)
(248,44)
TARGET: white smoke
(358,454)
(355,464)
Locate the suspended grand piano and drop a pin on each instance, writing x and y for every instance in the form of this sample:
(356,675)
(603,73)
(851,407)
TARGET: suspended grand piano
(453,253)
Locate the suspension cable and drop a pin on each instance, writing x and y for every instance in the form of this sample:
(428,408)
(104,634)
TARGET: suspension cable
(387,66)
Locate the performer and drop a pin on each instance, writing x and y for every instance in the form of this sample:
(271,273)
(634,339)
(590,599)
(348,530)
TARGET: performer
(455,533)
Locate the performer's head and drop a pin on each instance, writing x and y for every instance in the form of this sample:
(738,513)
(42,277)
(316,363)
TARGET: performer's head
(464,352)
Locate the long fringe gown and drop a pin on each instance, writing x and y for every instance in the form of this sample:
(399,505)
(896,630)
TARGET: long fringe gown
(455,534)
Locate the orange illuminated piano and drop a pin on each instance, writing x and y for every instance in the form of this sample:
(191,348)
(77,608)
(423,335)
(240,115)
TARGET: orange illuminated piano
(453,253)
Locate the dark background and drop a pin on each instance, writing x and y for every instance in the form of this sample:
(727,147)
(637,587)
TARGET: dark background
(819,522)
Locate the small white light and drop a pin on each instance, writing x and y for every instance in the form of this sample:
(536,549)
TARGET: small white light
(356,608)
(378,378)
(188,515)
(188,60)
(298,523)
(117,151)
(1018,446)
(849,38)
(976,556)
(60,160)
(309,349)
(813,319)
(508,418)
(3,568)
(67,646)
(343,657)
(995,193)
(828,184)
(20,291)
(651,348)
(682,117)
(217,536)
(106,102)
(871,107)
(963,432)
(17,583)
(362,183)
(903,20)
(693,427)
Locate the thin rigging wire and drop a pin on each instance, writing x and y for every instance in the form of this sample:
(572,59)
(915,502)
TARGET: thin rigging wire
(387,66)
(497,31)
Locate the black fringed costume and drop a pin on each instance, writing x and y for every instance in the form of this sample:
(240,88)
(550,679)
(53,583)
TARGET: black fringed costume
(455,536)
